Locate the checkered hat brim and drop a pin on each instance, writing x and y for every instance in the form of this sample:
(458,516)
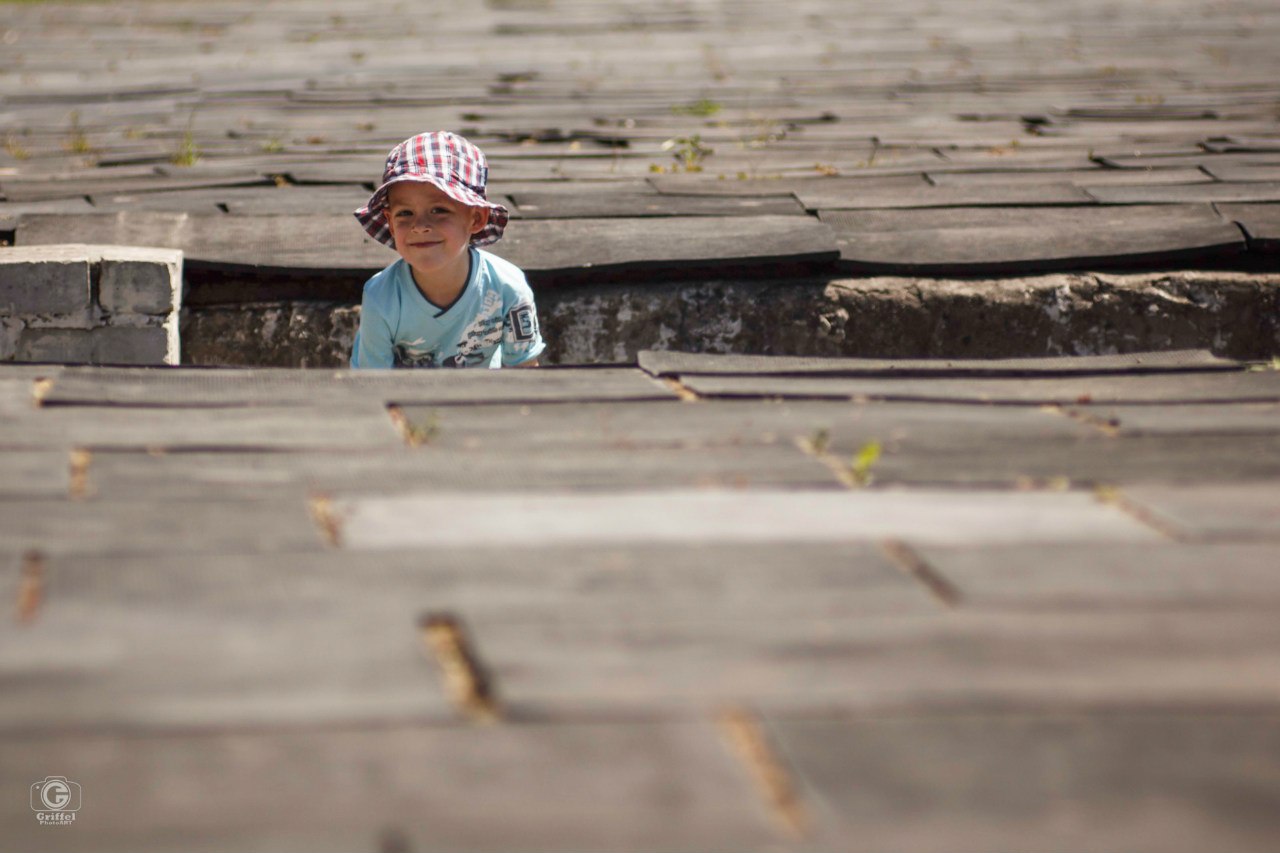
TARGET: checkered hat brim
(449,163)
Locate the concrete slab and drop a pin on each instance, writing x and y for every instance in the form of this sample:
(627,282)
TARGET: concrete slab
(377,523)
(252,476)
(354,426)
(194,388)
(57,527)
(1166,388)
(1089,577)
(1140,781)
(862,194)
(1213,512)
(533,205)
(1241,419)
(670,785)
(1261,224)
(947,663)
(661,363)
(33,474)
(726,423)
(1025,241)
(1185,193)
(935,457)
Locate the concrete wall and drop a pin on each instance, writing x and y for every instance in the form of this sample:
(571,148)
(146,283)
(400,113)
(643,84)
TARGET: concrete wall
(1236,314)
(90,304)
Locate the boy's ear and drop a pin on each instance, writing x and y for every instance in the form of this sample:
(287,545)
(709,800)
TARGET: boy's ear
(479,219)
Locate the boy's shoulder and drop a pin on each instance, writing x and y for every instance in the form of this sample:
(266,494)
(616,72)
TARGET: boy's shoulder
(502,271)
(386,279)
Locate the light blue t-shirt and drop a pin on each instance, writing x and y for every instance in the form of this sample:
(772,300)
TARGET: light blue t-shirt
(492,323)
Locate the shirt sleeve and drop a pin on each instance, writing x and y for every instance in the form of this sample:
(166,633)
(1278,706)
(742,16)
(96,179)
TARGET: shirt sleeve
(373,342)
(521,335)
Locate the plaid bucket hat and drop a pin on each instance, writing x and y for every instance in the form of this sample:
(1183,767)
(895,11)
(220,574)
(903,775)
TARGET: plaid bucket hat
(449,163)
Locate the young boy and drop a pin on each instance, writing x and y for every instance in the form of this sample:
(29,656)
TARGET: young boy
(445,303)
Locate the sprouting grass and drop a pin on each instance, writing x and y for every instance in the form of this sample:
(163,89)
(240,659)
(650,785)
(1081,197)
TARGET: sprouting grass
(77,142)
(15,149)
(688,151)
(188,153)
(863,460)
(702,108)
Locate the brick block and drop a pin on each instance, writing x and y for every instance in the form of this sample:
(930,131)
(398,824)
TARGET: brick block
(149,344)
(64,346)
(140,281)
(10,329)
(45,280)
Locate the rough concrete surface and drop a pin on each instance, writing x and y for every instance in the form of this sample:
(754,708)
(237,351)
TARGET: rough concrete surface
(1234,313)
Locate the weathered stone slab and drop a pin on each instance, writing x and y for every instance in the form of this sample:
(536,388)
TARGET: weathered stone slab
(1186,193)
(1142,781)
(640,785)
(351,425)
(532,205)
(728,423)
(1213,512)
(1097,176)
(256,475)
(858,194)
(1243,173)
(664,363)
(954,661)
(1090,576)
(146,527)
(664,243)
(333,241)
(926,457)
(283,387)
(1160,388)
(1239,419)
(33,474)
(1018,239)
(1261,223)
(377,523)
(337,242)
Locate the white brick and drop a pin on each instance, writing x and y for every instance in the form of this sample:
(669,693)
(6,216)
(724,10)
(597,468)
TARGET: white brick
(44,280)
(140,281)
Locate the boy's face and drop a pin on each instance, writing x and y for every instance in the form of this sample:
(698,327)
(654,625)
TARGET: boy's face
(432,231)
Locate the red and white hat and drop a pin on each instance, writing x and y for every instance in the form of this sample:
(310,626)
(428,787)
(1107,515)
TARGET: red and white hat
(449,163)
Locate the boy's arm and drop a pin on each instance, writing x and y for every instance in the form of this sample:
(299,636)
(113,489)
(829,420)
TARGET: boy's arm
(372,348)
(521,338)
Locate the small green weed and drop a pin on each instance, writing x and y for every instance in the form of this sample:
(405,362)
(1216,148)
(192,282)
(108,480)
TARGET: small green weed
(688,152)
(863,460)
(702,108)
(78,141)
(188,153)
(15,149)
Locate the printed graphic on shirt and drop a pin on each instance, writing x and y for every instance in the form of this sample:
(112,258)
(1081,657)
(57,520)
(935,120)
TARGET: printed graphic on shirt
(524,323)
(478,341)
(412,354)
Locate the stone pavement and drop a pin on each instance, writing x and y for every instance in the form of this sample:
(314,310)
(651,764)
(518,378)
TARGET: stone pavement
(646,143)
(702,603)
